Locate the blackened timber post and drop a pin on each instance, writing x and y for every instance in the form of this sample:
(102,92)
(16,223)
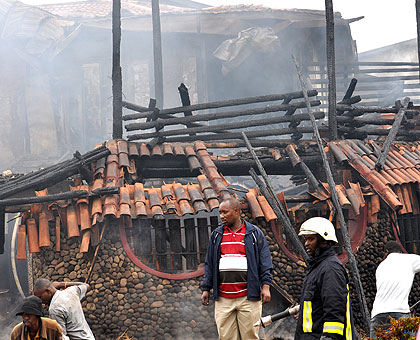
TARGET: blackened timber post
(117,129)
(334,196)
(185,100)
(157,54)
(418,31)
(332,95)
(267,190)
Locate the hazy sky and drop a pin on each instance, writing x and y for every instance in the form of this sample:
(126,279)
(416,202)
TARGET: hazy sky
(386,21)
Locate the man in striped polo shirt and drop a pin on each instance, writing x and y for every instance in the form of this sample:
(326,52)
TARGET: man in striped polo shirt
(238,269)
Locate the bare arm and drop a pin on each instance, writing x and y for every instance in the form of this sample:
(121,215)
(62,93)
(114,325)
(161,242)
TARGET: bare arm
(66,284)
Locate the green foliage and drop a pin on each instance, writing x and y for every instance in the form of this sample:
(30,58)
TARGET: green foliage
(401,329)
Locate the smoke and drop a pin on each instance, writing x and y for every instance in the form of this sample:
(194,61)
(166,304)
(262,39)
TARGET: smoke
(5,332)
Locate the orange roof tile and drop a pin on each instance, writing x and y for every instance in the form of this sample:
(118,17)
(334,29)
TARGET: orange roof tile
(402,168)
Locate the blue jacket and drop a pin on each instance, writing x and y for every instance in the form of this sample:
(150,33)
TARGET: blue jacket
(257,255)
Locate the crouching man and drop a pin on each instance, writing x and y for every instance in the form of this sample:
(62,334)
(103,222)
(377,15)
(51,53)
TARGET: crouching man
(34,326)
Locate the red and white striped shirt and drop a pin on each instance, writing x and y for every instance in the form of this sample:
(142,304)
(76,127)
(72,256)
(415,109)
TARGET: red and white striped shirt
(233,265)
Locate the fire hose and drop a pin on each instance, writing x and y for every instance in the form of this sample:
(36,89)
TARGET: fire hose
(269,319)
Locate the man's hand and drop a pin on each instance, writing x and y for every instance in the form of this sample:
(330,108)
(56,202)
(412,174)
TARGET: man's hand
(205,298)
(265,294)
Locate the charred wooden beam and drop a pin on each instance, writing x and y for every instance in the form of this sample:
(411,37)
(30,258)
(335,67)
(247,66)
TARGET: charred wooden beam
(332,90)
(350,89)
(273,167)
(236,167)
(348,95)
(313,184)
(297,119)
(185,100)
(234,135)
(57,197)
(2,230)
(117,129)
(217,104)
(256,143)
(392,134)
(368,63)
(157,54)
(217,115)
(373,109)
(418,30)
(362,133)
(278,207)
(50,175)
(331,183)
(267,189)
(359,121)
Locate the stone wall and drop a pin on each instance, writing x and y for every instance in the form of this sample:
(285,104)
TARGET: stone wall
(125,297)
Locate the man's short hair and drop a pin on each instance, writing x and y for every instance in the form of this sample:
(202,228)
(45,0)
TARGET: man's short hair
(42,284)
(233,202)
(393,247)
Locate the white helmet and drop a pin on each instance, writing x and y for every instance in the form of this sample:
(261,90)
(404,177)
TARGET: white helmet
(320,226)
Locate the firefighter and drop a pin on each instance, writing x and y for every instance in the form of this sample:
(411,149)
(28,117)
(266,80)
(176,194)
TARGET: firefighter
(324,304)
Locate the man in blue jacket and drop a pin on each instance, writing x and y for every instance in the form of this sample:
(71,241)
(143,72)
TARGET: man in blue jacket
(238,269)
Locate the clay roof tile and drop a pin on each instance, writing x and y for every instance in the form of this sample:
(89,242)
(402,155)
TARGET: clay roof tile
(154,198)
(194,164)
(167,149)
(213,203)
(194,193)
(133,150)
(144,150)
(254,205)
(199,145)
(139,195)
(112,146)
(185,207)
(156,151)
(179,150)
(267,210)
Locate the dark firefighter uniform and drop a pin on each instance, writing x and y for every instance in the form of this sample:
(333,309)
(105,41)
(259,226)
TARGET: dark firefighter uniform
(324,304)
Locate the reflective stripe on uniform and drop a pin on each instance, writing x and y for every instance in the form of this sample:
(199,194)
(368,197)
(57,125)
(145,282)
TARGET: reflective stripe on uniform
(307,317)
(333,327)
(349,335)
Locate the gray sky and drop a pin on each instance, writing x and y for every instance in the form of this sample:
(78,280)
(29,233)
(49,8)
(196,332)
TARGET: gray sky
(386,21)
